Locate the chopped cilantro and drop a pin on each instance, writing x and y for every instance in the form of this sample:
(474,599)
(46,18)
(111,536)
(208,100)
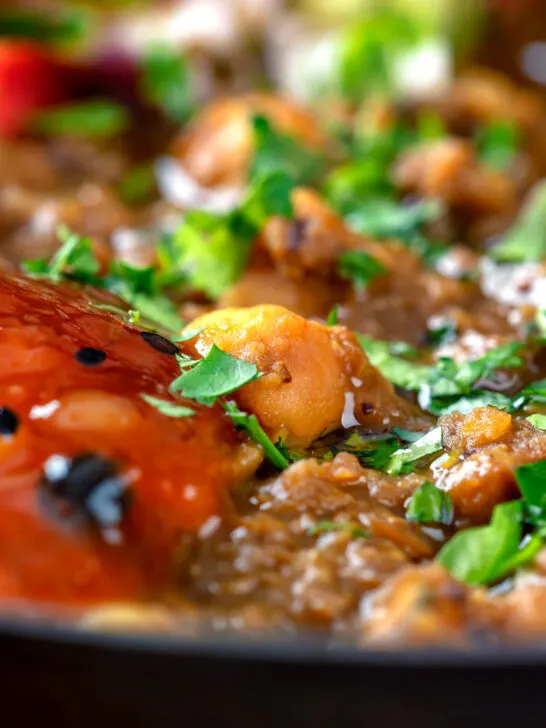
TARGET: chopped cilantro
(166,82)
(359,267)
(485,554)
(333,317)
(97,118)
(214,250)
(332,526)
(250,424)
(392,219)
(59,27)
(400,372)
(402,459)
(526,239)
(498,144)
(538,421)
(216,375)
(170,409)
(430,504)
(372,452)
(138,184)
(140,287)
(132,316)
(276,152)
(531,480)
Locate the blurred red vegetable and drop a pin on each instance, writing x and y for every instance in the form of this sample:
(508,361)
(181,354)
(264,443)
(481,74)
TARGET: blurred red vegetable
(30,79)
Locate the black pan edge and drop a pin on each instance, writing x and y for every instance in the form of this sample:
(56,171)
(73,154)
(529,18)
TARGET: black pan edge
(297,650)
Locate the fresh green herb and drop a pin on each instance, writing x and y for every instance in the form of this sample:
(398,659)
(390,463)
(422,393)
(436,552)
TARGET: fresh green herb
(250,424)
(403,459)
(140,287)
(167,83)
(400,372)
(372,452)
(60,27)
(485,554)
(430,504)
(391,219)
(276,152)
(332,526)
(186,336)
(333,317)
(138,184)
(131,316)
(216,375)
(97,119)
(360,267)
(531,480)
(441,333)
(214,250)
(526,239)
(538,421)
(430,127)
(498,144)
(535,392)
(169,409)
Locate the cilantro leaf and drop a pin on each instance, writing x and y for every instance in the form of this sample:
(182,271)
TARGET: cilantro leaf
(526,239)
(214,250)
(333,526)
(392,219)
(498,143)
(430,504)
(401,460)
(250,424)
(538,421)
(531,480)
(359,267)
(485,554)
(277,152)
(216,375)
(372,452)
(400,372)
(166,82)
(333,317)
(169,409)
(74,257)
(44,27)
(98,118)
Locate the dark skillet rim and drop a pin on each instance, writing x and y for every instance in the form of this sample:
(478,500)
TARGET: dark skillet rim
(297,651)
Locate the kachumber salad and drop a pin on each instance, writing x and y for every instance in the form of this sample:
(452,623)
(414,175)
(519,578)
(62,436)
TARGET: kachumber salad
(270,364)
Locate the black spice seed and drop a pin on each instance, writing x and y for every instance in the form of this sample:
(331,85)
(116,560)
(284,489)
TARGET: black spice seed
(90,357)
(86,488)
(159,343)
(9,422)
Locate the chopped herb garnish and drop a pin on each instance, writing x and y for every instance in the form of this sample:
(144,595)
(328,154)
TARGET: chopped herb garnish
(74,258)
(214,250)
(526,239)
(538,421)
(138,184)
(97,118)
(216,375)
(167,83)
(359,267)
(430,504)
(531,480)
(333,317)
(276,152)
(250,424)
(59,27)
(400,372)
(170,409)
(372,452)
(402,460)
(485,554)
(332,526)
(498,144)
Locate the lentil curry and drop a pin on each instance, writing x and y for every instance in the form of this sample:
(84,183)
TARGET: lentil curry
(270,366)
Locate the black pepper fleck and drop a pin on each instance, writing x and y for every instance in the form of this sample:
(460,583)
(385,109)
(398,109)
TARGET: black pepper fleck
(85,489)
(9,422)
(160,343)
(90,357)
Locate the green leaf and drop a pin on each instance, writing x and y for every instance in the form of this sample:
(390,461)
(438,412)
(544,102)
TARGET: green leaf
(276,152)
(60,27)
(216,375)
(169,409)
(538,421)
(498,144)
(526,239)
(167,83)
(372,452)
(333,526)
(403,459)
(96,118)
(250,424)
(531,480)
(391,219)
(430,504)
(333,318)
(485,554)
(400,372)
(138,185)
(536,391)
(359,267)
(74,257)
